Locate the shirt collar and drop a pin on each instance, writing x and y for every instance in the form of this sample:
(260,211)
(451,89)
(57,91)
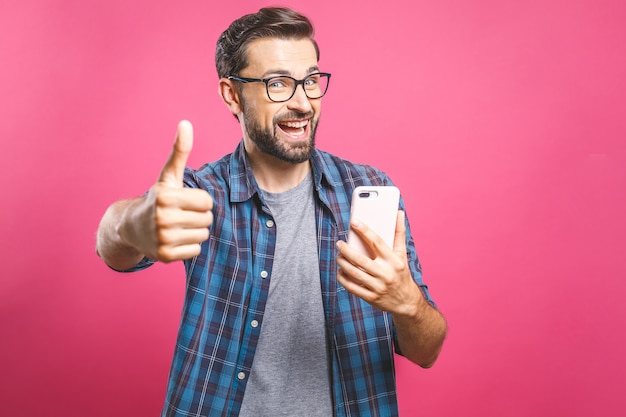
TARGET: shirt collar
(243,185)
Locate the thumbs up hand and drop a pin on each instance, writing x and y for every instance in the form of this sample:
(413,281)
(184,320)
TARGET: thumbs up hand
(172,221)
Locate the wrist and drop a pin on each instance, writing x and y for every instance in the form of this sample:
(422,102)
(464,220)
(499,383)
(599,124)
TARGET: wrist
(125,228)
(413,307)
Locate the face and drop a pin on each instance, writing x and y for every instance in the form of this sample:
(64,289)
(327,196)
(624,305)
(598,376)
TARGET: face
(284,130)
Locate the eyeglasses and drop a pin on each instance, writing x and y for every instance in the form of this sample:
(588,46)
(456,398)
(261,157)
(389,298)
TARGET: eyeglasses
(283,87)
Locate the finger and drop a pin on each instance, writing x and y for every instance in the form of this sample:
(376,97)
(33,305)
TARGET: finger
(356,272)
(370,238)
(176,253)
(399,239)
(183,219)
(193,199)
(354,287)
(170,238)
(174,169)
(353,256)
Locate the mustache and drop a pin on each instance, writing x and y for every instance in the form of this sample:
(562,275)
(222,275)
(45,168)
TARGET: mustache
(291,115)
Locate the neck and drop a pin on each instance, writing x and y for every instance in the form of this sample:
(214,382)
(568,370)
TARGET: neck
(275,175)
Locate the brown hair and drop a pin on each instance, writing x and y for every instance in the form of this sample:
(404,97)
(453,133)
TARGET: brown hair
(270,22)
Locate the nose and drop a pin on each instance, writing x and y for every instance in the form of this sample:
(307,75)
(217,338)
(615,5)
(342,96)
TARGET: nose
(299,101)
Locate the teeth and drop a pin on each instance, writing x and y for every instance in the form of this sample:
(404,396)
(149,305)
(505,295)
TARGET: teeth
(296,125)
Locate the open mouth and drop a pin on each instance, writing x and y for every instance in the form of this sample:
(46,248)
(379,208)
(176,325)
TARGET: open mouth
(295,129)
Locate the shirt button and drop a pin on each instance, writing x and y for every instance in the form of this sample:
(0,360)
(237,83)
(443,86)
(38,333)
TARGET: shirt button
(241,375)
(264,274)
(254,323)
(269,223)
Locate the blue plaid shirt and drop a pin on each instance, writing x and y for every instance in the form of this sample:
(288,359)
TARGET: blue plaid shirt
(227,288)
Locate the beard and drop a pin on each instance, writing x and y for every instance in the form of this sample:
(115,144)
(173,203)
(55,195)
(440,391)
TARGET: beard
(268,142)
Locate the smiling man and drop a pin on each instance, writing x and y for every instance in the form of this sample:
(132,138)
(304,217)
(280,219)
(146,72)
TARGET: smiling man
(295,114)
(281,317)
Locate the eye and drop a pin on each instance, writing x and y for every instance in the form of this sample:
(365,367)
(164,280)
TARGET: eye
(312,80)
(278,83)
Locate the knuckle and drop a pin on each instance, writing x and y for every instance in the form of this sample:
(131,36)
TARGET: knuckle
(164,254)
(352,271)
(378,242)
(387,279)
(162,218)
(383,292)
(162,200)
(208,201)
(401,267)
(163,236)
(165,197)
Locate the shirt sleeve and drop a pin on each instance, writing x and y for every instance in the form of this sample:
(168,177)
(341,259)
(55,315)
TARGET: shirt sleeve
(143,264)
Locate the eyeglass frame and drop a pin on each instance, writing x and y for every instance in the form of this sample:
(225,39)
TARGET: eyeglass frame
(266,81)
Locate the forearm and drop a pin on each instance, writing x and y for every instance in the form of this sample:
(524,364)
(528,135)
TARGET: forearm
(386,282)
(110,245)
(421,332)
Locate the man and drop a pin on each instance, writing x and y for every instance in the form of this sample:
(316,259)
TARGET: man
(281,317)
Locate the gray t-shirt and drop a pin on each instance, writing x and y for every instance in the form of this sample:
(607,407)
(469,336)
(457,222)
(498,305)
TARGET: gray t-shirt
(290,371)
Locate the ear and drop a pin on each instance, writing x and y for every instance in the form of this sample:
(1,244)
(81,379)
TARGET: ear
(230,95)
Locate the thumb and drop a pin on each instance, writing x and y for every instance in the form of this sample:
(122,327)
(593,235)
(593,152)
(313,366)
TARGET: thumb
(174,169)
(399,241)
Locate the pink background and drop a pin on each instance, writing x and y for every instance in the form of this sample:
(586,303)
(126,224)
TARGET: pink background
(502,122)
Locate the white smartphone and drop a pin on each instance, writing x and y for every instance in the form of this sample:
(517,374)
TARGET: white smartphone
(376,207)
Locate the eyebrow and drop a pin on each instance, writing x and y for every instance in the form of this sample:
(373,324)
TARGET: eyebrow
(278,72)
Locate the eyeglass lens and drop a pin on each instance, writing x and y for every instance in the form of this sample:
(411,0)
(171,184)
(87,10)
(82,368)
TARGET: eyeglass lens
(282,88)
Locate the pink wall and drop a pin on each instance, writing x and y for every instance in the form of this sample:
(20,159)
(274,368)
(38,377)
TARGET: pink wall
(503,123)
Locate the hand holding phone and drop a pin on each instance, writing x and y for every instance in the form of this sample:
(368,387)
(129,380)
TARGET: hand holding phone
(376,207)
